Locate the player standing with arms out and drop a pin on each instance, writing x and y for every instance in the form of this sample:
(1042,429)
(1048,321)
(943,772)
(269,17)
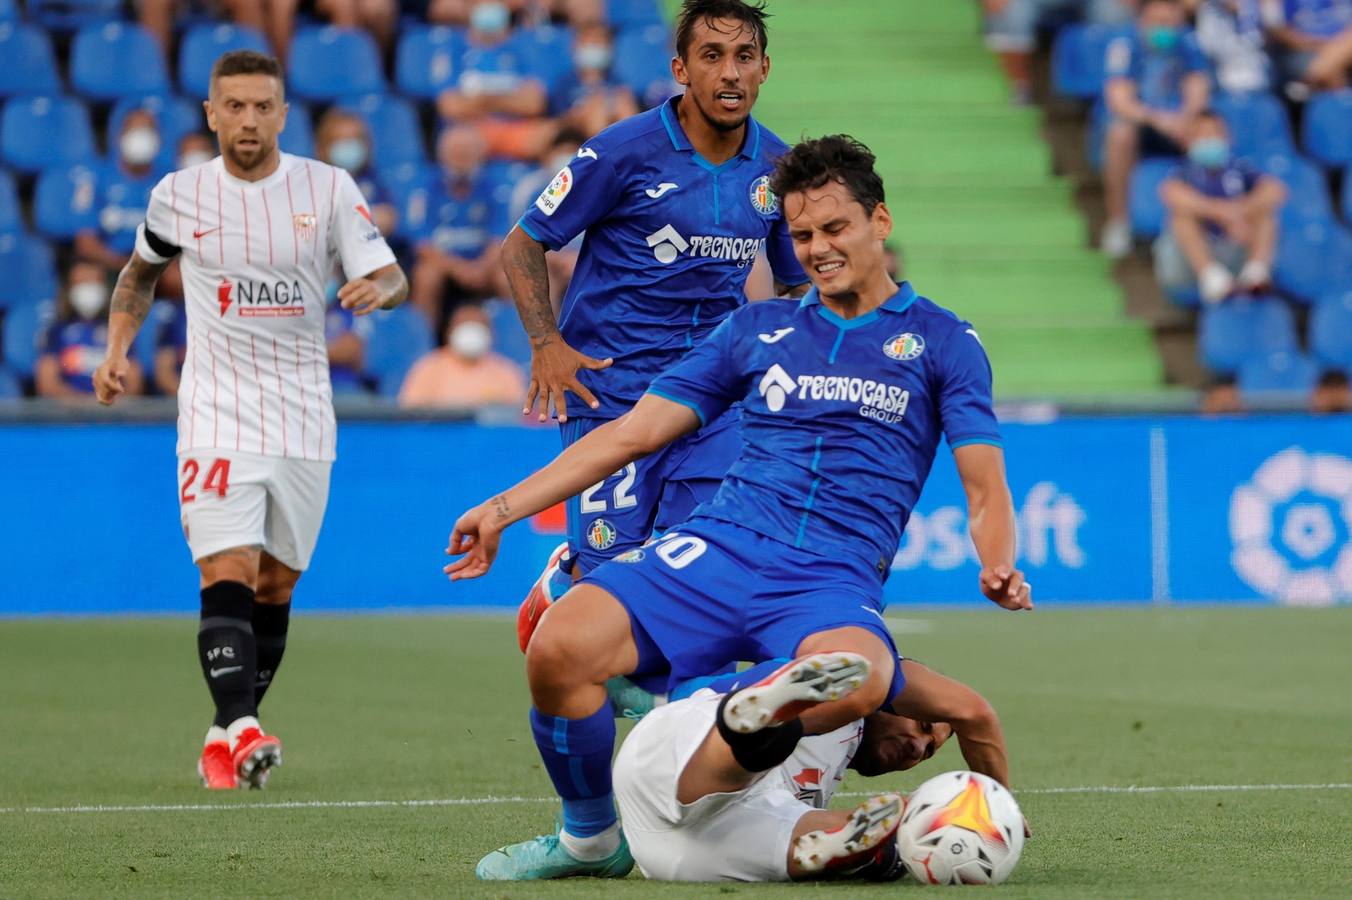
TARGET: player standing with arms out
(676,206)
(259,233)
(846,395)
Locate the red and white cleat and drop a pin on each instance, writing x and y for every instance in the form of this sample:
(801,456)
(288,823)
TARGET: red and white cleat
(857,843)
(217,767)
(805,682)
(547,588)
(254,755)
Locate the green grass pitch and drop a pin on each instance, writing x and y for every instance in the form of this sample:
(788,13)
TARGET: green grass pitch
(109,712)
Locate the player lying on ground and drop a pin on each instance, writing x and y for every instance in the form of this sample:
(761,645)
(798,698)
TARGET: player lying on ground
(258,234)
(845,396)
(723,786)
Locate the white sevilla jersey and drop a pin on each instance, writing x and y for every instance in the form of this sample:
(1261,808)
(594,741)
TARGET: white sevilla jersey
(256,260)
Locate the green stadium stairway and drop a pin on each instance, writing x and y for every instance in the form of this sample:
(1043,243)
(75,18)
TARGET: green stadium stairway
(984,226)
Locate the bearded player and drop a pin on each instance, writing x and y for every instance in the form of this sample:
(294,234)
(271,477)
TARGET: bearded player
(258,233)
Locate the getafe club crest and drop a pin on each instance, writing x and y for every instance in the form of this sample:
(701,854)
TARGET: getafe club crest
(601,534)
(763,200)
(904,346)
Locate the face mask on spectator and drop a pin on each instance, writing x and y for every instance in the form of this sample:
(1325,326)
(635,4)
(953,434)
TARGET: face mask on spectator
(490,18)
(592,57)
(349,154)
(87,298)
(193,158)
(1211,152)
(1163,38)
(140,145)
(471,339)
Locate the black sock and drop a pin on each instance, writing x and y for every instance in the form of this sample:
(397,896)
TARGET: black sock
(225,645)
(270,621)
(762,750)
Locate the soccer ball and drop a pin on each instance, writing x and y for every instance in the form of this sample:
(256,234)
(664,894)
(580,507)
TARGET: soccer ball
(961,828)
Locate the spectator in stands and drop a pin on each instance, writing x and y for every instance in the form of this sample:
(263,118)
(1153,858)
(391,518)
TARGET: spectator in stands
(588,99)
(123,192)
(1230,33)
(378,17)
(1331,67)
(1222,231)
(171,348)
(346,335)
(75,344)
(157,16)
(1301,29)
(194,148)
(1011,32)
(1157,83)
(461,223)
(466,372)
(341,140)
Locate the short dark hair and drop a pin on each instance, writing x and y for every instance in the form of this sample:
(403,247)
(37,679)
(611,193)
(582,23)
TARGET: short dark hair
(245,62)
(693,11)
(836,157)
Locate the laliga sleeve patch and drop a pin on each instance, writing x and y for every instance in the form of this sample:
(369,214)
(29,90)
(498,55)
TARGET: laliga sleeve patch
(550,198)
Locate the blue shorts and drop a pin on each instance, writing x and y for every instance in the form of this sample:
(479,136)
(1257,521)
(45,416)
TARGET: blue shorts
(650,495)
(712,593)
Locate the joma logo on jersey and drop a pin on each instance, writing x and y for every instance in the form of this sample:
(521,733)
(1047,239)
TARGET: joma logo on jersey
(667,244)
(877,400)
(259,298)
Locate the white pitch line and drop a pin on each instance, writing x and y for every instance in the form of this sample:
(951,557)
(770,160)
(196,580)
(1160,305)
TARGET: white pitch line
(487,801)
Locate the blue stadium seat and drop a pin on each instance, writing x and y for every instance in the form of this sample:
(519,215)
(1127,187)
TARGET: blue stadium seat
(203,43)
(65,16)
(1331,331)
(10,386)
(1258,124)
(1327,130)
(403,183)
(427,60)
(298,138)
(1277,372)
(331,63)
(1313,258)
(175,116)
(9,11)
(509,338)
(1230,333)
(144,345)
(396,135)
(11,212)
(65,202)
(117,59)
(398,338)
(30,270)
(1308,189)
(1078,59)
(24,325)
(32,65)
(1144,206)
(552,48)
(39,132)
(643,62)
(624,15)
(1347,194)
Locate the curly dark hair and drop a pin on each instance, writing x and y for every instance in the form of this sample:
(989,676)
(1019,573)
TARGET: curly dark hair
(693,11)
(836,157)
(245,62)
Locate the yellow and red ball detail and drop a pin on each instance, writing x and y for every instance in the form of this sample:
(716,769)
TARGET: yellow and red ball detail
(969,810)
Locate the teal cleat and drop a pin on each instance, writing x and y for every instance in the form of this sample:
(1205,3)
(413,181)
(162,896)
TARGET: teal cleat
(629,701)
(544,857)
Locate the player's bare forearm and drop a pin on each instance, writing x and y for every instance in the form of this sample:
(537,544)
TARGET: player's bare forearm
(793,293)
(931,697)
(133,295)
(393,284)
(523,261)
(385,288)
(990,508)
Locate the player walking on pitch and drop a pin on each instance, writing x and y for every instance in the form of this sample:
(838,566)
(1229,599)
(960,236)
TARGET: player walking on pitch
(676,206)
(258,233)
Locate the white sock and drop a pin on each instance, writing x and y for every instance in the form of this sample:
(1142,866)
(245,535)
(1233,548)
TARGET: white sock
(237,727)
(591,849)
(214,734)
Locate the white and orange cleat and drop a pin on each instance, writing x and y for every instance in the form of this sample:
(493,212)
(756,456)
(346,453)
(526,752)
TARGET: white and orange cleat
(254,753)
(803,683)
(860,842)
(550,586)
(217,767)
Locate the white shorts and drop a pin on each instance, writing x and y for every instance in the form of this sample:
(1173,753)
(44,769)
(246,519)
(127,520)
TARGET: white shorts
(740,836)
(232,499)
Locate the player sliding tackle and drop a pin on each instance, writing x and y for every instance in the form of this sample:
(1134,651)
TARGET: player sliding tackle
(844,397)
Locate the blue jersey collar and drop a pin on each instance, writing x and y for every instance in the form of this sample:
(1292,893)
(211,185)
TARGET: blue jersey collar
(750,146)
(898,302)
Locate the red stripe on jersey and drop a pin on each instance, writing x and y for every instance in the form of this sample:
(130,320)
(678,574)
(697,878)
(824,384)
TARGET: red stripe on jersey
(262,413)
(220,226)
(197,211)
(215,393)
(295,244)
(314,238)
(192,404)
(173,201)
(268,212)
(304,403)
(277,366)
(244,202)
(234,371)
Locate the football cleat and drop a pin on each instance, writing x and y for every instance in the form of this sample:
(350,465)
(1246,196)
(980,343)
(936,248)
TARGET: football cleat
(805,682)
(254,755)
(545,857)
(857,844)
(629,701)
(217,767)
(550,586)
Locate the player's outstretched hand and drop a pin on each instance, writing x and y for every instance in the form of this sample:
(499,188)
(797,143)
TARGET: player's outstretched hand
(363,296)
(1005,586)
(553,370)
(110,379)
(475,541)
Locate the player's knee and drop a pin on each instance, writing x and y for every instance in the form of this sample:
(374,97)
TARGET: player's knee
(556,657)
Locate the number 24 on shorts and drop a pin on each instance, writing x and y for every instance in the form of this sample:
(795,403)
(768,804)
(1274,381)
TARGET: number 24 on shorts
(217,479)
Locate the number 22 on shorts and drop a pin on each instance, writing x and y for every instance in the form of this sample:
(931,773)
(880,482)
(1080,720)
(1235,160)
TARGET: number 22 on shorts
(217,479)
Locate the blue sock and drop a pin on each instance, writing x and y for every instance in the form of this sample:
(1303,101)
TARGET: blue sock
(727,683)
(577,754)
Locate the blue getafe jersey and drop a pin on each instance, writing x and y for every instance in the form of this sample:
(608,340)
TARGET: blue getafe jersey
(670,239)
(840,417)
(1158,76)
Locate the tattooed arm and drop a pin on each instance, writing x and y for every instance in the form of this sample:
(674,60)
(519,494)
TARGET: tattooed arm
(553,364)
(131,302)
